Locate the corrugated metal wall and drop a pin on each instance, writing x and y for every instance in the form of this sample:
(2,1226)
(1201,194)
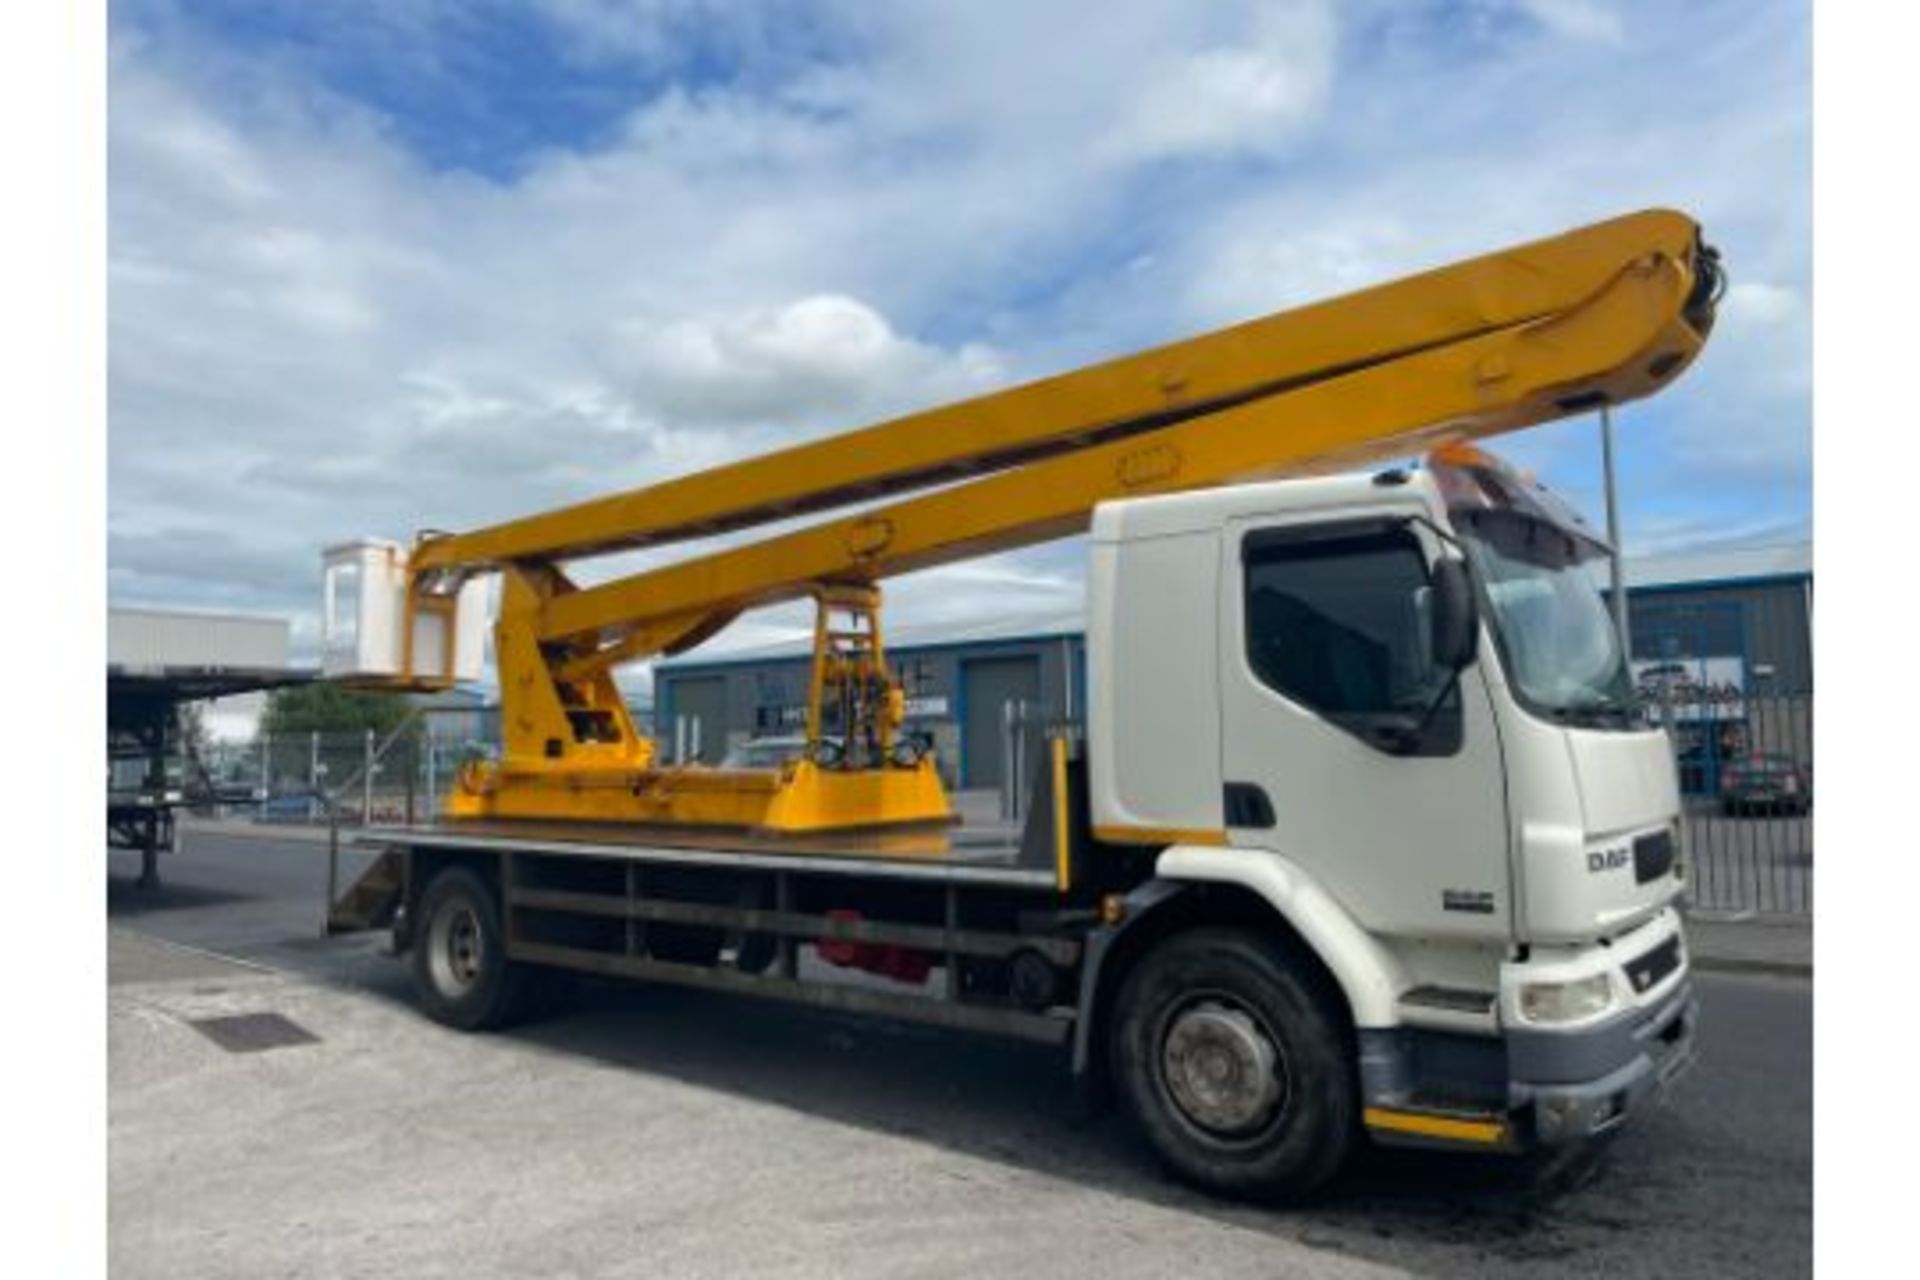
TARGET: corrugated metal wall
(150,638)
(1767,625)
(767,698)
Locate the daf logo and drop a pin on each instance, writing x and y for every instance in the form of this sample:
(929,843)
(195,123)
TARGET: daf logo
(1608,859)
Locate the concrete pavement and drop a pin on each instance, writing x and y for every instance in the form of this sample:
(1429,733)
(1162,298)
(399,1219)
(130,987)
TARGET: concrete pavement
(391,1146)
(1718,1182)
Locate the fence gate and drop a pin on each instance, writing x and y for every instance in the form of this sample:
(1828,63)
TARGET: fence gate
(1749,836)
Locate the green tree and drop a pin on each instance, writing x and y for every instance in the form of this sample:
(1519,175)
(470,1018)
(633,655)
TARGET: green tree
(191,720)
(327,708)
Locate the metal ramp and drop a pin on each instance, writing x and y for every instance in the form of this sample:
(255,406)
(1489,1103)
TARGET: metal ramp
(371,900)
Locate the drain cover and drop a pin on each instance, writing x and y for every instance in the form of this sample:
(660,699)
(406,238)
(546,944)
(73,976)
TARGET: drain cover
(252,1032)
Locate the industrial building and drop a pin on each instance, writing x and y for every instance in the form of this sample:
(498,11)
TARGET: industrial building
(959,684)
(1723,647)
(1741,618)
(1722,640)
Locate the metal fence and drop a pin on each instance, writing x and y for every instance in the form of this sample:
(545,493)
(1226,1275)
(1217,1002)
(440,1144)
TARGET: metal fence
(361,777)
(1747,784)
(1745,766)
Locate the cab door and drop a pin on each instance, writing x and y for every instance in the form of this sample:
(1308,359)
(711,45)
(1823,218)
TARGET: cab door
(1325,661)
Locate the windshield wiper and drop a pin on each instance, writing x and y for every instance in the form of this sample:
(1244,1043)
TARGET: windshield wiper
(1598,711)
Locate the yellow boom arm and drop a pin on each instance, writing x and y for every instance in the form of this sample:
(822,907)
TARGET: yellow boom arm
(1122,397)
(1600,315)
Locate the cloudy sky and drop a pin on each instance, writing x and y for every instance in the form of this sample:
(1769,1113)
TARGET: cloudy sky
(384,264)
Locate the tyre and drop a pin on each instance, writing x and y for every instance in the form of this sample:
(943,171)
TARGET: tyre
(461,973)
(1237,1066)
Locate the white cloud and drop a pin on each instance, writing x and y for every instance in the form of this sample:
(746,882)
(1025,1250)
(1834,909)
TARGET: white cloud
(655,31)
(1578,19)
(1759,303)
(315,338)
(820,356)
(1254,95)
(1255,267)
(1675,533)
(315,334)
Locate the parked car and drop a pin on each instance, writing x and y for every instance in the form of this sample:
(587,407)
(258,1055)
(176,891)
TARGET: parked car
(764,753)
(772,753)
(297,807)
(1763,784)
(238,791)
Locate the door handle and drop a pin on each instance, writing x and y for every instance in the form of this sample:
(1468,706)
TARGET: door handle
(1247,806)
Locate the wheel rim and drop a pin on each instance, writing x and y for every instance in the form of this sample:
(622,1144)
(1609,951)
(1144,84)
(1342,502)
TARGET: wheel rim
(1223,1068)
(456,948)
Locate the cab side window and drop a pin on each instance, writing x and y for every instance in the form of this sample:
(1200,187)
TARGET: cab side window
(1339,624)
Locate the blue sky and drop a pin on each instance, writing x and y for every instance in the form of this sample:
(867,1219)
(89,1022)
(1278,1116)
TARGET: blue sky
(375,266)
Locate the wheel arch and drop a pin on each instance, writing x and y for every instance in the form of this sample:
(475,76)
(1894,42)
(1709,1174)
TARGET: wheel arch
(1196,894)
(1368,976)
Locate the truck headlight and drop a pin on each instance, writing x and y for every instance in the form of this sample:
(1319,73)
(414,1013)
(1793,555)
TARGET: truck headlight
(1556,1002)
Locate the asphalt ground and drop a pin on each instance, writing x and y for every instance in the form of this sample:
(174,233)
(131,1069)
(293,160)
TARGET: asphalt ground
(671,1132)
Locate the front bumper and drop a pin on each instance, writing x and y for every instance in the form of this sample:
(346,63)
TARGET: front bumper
(1530,1086)
(1568,1087)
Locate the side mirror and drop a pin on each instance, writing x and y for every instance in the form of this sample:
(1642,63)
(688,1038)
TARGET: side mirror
(1455,615)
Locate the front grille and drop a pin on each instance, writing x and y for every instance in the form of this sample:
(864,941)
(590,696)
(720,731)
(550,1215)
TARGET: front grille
(1651,969)
(1652,856)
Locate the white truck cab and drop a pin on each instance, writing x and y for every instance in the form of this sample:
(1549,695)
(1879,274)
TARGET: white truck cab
(1412,709)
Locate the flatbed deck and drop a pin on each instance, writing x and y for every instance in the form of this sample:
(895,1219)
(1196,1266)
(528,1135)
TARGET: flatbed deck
(946,855)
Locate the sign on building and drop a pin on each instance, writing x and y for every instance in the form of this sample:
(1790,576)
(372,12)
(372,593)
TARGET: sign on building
(1694,689)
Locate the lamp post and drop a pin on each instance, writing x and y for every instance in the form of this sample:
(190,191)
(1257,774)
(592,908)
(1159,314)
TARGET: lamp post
(1617,595)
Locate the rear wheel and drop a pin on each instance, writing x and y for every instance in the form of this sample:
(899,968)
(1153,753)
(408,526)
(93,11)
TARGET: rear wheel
(1236,1065)
(461,973)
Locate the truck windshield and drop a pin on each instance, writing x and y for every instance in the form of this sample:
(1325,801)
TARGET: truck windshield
(1555,635)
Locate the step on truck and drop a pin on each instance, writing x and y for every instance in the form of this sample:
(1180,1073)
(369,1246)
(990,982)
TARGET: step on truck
(1362,837)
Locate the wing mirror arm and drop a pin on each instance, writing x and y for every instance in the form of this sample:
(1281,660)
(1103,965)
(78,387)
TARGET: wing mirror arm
(1455,615)
(1455,641)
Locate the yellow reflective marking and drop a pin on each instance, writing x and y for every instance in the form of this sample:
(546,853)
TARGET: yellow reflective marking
(1062,867)
(1486,1132)
(1159,835)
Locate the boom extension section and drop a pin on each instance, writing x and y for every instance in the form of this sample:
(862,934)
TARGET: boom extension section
(1596,316)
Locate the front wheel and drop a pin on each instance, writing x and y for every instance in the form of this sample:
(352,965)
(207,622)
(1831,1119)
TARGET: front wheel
(1236,1066)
